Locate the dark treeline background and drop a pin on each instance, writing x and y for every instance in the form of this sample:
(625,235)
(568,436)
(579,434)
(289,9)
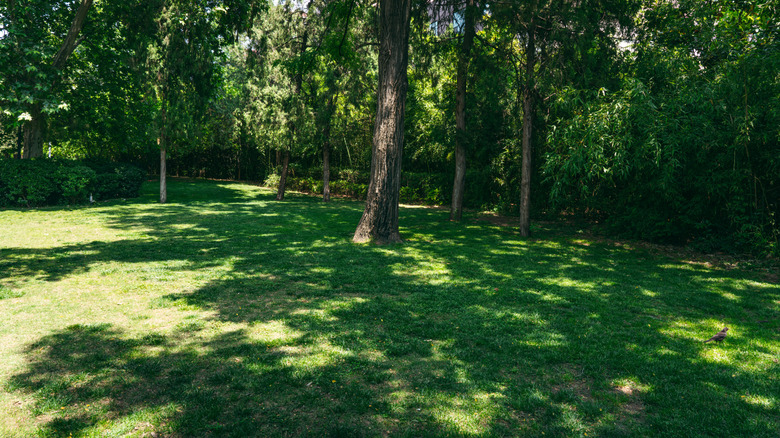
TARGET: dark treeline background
(658,119)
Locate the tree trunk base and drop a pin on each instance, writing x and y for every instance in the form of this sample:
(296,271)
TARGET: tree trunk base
(363,235)
(283,177)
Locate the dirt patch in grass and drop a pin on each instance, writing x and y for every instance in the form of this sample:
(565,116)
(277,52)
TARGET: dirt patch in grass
(632,410)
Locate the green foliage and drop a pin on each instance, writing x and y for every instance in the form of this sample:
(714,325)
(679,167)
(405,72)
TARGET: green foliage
(35,183)
(116,180)
(426,188)
(304,184)
(686,148)
(30,37)
(28,183)
(272,181)
(669,167)
(348,188)
(75,182)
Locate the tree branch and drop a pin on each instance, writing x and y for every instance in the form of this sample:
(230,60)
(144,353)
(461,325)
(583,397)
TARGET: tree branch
(71,42)
(346,26)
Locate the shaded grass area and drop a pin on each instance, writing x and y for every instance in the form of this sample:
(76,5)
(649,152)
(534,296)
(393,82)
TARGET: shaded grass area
(225,313)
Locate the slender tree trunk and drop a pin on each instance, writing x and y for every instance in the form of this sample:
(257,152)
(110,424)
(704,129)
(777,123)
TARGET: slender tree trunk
(293,128)
(162,141)
(163,182)
(283,177)
(19,143)
(528,112)
(380,217)
(458,185)
(34,129)
(326,153)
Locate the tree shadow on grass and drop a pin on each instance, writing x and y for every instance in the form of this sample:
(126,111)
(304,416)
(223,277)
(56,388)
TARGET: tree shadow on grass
(230,386)
(463,331)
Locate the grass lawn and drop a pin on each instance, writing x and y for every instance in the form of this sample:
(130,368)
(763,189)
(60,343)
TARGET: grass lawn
(226,313)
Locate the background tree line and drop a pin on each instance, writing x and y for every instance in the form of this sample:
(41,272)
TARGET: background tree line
(656,119)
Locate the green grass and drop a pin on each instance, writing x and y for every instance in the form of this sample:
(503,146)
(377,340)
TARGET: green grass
(226,313)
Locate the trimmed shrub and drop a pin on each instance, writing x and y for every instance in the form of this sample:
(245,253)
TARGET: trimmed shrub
(116,180)
(28,183)
(74,182)
(38,182)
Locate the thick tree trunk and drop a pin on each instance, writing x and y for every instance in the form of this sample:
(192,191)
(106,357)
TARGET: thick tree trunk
(380,217)
(283,177)
(458,185)
(34,129)
(528,111)
(33,133)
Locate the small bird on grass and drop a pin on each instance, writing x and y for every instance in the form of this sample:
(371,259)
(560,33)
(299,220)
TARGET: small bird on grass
(721,335)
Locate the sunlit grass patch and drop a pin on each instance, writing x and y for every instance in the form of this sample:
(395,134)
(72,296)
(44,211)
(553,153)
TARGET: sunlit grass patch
(7,292)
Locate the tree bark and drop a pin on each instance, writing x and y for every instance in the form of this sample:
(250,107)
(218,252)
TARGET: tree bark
(528,110)
(326,153)
(283,178)
(34,129)
(163,182)
(19,143)
(33,132)
(461,140)
(162,141)
(379,222)
(70,42)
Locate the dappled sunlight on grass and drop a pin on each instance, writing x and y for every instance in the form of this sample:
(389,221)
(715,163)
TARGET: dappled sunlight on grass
(579,285)
(761,401)
(273,333)
(304,361)
(466,415)
(226,313)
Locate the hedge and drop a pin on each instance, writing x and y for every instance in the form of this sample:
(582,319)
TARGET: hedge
(40,182)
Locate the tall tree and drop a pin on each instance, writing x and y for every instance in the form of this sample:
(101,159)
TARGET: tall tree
(528,124)
(379,222)
(182,60)
(298,72)
(461,134)
(31,77)
(326,121)
(546,38)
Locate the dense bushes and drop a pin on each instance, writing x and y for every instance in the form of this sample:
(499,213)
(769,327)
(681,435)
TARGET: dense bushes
(670,168)
(416,188)
(308,184)
(34,183)
(116,180)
